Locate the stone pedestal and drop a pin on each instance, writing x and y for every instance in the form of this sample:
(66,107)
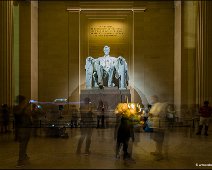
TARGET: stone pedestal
(111,96)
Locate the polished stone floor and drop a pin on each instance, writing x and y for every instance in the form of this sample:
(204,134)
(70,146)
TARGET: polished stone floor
(182,150)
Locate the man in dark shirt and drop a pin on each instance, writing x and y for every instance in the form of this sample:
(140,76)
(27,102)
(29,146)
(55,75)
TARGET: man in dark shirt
(22,114)
(205,114)
(122,134)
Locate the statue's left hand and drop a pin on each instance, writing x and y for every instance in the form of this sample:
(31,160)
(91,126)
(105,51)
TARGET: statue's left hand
(117,75)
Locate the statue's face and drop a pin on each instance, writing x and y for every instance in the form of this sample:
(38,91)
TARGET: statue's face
(106,50)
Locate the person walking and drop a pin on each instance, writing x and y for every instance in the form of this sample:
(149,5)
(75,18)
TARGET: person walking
(205,113)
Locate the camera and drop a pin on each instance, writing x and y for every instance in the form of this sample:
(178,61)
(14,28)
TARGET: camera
(32,101)
(39,106)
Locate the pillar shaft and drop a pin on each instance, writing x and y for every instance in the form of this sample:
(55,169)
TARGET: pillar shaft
(6,52)
(202,57)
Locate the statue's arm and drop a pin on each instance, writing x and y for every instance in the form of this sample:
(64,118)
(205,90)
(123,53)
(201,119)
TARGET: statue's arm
(89,63)
(116,65)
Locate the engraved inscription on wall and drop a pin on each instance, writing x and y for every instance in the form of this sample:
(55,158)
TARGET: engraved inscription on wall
(107,31)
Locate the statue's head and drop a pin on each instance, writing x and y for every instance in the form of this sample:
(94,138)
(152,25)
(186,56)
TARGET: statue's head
(106,50)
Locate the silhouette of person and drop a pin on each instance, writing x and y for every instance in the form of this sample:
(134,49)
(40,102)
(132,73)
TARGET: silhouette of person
(36,114)
(171,112)
(101,114)
(74,116)
(5,118)
(205,114)
(86,126)
(123,132)
(22,113)
(157,116)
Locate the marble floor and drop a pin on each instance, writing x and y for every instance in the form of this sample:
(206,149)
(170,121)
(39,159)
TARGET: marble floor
(182,150)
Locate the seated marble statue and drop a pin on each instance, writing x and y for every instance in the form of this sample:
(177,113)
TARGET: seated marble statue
(105,70)
(106,67)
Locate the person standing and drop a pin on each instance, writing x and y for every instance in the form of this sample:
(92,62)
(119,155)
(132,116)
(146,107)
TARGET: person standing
(157,115)
(122,134)
(36,114)
(22,114)
(74,116)
(5,117)
(86,126)
(101,115)
(205,114)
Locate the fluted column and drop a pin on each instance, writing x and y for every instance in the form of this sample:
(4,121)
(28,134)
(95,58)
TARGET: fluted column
(202,58)
(6,35)
(28,49)
(177,57)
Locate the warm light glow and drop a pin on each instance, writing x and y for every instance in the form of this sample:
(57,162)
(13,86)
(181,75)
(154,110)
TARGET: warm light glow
(131,111)
(133,106)
(128,109)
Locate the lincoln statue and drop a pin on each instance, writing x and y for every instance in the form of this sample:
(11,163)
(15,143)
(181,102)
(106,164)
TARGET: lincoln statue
(106,71)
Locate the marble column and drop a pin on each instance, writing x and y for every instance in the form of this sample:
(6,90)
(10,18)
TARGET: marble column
(6,49)
(188,68)
(28,49)
(202,57)
(177,57)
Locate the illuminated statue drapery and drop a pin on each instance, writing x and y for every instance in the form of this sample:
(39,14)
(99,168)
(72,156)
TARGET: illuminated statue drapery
(106,70)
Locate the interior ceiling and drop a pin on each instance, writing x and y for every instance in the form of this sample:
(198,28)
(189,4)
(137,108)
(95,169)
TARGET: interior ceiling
(107,4)
(139,4)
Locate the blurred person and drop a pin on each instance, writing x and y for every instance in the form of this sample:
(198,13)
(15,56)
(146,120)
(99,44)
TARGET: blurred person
(205,112)
(74,116)
(101,114)
(124,130)
(145,115)
(5,118)
(171,113)
(36,114)
(157,117)
(23,122)
(1,122)
(86,126)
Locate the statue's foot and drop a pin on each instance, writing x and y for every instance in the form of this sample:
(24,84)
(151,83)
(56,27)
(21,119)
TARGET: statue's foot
(101,86)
